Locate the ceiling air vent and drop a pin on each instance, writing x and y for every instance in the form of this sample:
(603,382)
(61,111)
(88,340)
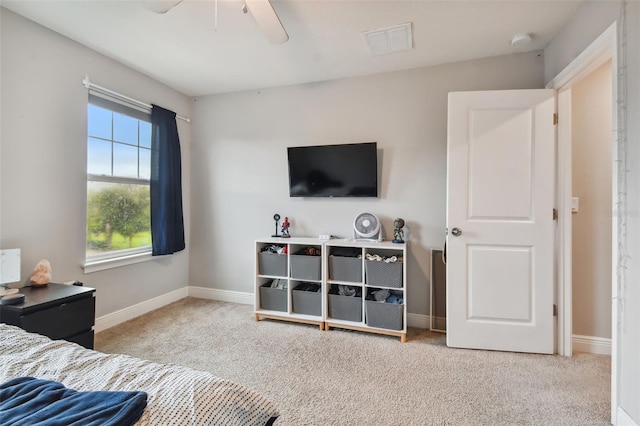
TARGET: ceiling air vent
(389,40)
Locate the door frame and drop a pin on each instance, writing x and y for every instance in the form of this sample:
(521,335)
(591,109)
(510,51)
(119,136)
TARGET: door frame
(604,48)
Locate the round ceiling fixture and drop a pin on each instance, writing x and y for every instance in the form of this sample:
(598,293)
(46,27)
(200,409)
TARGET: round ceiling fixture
(521,39)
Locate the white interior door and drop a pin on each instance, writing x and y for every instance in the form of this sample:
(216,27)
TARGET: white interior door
(500,199)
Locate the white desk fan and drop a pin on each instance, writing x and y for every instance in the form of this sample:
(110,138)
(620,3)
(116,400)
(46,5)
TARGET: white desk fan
(366,227)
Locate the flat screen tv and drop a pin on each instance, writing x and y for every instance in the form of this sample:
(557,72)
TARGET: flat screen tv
(349,170)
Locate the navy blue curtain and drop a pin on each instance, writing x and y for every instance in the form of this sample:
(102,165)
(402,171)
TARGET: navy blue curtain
(167,223)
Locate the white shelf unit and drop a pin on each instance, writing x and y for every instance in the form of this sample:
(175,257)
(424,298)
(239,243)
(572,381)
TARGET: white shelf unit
(294,269)
(375,317)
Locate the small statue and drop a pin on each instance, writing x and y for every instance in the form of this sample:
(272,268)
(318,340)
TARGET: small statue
(276,217)
(41,274)
(285,228)
(398,233)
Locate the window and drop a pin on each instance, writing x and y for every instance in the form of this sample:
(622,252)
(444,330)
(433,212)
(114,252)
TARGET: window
(118,172)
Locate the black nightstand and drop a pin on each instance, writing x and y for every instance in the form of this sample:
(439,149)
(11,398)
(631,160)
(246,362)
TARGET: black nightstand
(57,311)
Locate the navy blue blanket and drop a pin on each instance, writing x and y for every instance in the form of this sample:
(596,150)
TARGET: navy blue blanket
(31,401)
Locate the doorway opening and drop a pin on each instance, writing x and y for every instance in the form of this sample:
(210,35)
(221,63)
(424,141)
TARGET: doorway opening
(591,227)
(604,49)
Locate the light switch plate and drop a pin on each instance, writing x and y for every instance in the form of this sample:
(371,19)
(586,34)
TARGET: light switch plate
(575,203)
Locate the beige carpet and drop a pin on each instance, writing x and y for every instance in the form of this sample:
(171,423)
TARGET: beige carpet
(352,378)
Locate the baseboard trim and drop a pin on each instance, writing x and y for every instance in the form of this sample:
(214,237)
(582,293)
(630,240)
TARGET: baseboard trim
(591,344)
(118,317)
(221,295)
(418,320)
(624,419)
(111,320)
(440,324)
(413,320)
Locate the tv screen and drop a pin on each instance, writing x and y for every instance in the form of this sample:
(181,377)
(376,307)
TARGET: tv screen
(349,170)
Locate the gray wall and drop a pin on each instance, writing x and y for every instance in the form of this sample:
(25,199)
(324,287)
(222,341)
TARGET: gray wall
(590,21)
(240,171)
(43,160)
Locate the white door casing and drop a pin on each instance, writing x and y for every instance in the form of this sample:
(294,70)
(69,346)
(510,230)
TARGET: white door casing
(500,195)
(607,46)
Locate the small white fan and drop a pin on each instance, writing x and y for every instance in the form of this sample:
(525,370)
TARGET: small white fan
(366,226)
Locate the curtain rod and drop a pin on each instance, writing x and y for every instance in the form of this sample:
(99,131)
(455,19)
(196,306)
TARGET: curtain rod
(89,85)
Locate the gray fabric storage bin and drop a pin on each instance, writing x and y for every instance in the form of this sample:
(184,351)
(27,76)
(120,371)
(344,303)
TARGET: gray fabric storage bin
(384,315)
(307,302)
(348,308)
(273,264)
(384,274)
(348,269)
(305,267)
(273,299)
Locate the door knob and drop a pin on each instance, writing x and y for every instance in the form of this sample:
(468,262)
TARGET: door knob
(456,232)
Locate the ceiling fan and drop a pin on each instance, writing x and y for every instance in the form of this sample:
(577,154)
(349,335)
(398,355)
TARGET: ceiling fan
(262,11)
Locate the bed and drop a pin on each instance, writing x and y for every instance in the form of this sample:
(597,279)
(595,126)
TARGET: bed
(176,395)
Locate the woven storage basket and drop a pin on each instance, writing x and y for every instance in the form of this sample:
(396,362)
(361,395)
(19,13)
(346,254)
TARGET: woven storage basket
(384,315)
(345,308)
(384,274)
(273,299)
(348,269)
(307,302)
(305,267)
(273,264)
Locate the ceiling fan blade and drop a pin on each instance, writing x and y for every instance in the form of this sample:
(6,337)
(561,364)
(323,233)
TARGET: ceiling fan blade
(267,20)
(160,6)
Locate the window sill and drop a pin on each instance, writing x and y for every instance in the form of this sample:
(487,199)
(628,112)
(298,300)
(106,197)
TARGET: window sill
(101,265)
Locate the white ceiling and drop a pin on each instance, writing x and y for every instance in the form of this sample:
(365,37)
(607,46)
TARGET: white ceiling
(183,49)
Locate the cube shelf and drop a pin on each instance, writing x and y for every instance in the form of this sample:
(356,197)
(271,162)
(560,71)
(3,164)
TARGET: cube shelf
(343,265)
(294,268)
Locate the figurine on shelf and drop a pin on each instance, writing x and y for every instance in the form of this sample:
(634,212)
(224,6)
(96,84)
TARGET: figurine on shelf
(285,228)
(398,233)
(276,217)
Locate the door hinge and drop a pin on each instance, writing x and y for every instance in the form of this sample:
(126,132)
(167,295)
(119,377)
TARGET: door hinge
(555,214)
(555,310)
(555,118)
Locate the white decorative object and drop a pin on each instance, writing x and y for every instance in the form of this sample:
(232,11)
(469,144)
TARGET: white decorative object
(366,227)
(10,266)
